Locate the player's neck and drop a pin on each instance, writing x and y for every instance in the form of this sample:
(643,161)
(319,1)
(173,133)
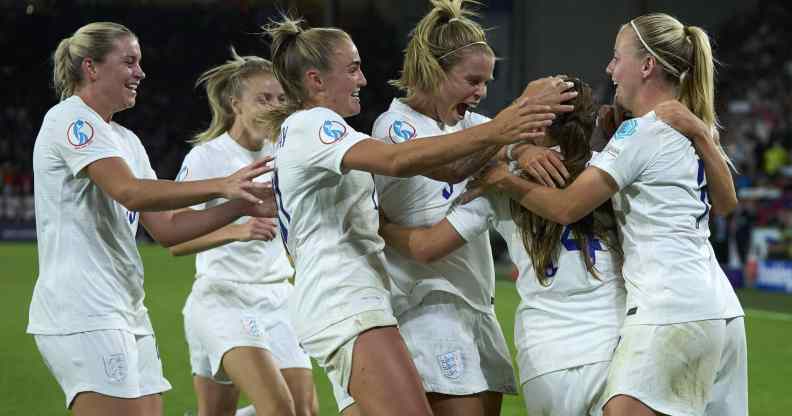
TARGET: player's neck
(244,138)
(650,96)
(423,104)
(97,102)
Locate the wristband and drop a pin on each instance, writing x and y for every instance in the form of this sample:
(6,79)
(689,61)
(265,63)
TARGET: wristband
(510,152)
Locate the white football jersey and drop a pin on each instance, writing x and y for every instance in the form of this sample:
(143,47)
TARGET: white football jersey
(670,268)
(248,262)
(90,272)
(420,201)
(329,221)
(575,318)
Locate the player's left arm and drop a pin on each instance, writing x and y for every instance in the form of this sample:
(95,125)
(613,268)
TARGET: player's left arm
(423,244)
(722,194)
(564,206)
(174,227)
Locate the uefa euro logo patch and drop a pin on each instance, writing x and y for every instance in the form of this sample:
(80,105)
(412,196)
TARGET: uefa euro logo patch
(401,131)
(451,364)
(626,129)
(331,132)
(80,133)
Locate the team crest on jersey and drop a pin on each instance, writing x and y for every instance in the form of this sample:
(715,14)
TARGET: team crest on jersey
(332,131)
(627,129)
(251,326)
(132,216)
(401,131)
(80,133)
(116,367)
(451,364)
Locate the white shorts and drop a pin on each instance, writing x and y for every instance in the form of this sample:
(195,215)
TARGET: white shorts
(457,349)
(111,362)
(730,392)
(332,349)
(573,391)
(215,321)
(671,368)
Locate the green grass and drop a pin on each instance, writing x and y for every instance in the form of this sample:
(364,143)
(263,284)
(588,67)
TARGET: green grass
(28,389)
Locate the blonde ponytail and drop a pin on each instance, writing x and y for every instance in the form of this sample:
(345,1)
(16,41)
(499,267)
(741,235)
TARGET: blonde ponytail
(439,42)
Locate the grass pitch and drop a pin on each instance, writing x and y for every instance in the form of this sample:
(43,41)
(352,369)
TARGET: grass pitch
(27,388)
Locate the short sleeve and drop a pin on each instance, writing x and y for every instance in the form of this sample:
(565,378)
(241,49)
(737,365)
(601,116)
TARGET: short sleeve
(472,219)
(394,127)
(324,137)
(193,168)
(630,151)
(147,171)
(82,138)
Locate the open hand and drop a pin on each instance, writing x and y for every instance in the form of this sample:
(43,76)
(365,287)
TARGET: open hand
(550,91)
(240,184)
(681,119)
(544,165)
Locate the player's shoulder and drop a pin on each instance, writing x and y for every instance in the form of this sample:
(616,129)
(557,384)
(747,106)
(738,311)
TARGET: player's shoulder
(74,107)
(74,120)
(312,116)
(400,123)
(645,129)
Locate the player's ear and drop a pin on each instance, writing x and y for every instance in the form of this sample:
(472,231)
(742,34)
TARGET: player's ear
(313,80)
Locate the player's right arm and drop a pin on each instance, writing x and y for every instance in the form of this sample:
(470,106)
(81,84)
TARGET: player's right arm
(428,244)
(262,229)
(422,244)
(524,119)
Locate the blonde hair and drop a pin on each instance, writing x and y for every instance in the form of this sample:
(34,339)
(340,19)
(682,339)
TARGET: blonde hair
(223,83)
(440,41)
(295,50)
(95,41)
(685,54)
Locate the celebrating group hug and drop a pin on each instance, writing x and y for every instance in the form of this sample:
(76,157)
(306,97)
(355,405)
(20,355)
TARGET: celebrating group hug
(624,309)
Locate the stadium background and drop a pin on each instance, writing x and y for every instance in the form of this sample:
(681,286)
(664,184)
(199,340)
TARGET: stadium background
(181,38)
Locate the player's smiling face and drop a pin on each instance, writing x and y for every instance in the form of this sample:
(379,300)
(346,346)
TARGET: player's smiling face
(343,81)
(625,67)
(119,74)
(464,87)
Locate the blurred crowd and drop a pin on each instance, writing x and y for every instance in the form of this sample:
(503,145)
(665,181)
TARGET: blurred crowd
(755,106)
(754,99)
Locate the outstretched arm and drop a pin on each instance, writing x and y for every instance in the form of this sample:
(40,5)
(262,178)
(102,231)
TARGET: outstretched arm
(526,118)
(719,179)
(115,178)
(423,244)
(564,206)
(262,229)
(174,227)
